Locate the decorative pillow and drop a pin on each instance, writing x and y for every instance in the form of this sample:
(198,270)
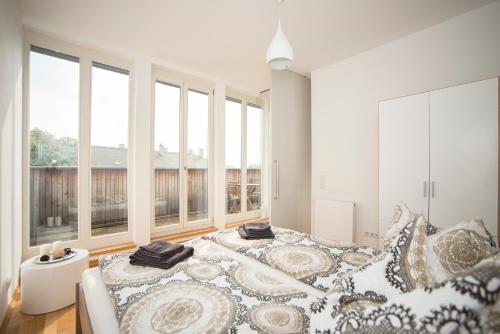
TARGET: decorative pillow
(465,304)
(456,249)
(399,269)
(402,216)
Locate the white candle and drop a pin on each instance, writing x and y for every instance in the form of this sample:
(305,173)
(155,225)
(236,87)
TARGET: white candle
(56,245)
(45,249)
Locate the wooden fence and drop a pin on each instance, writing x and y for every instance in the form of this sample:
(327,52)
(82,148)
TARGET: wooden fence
(54,193)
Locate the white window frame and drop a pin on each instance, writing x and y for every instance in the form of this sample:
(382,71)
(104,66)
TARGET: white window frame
(86,57)
(186,83)
(244,214)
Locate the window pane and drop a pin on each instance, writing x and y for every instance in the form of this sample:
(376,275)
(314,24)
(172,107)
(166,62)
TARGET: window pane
(109,151)
(54,105)
(233,157)
(197,155)
(167,108)
(254,157)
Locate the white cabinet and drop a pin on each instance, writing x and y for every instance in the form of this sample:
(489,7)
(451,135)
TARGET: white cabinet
(439,155)
(404,155)
(291,150)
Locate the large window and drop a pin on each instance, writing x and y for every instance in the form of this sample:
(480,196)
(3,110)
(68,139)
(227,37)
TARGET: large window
(76,149)
(109,152)
(181,155)
(254,157)
(233,156)
(53,146)
(167,154)
(197,155)
(244,137)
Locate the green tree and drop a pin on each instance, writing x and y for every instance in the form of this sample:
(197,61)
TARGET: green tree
(47,150)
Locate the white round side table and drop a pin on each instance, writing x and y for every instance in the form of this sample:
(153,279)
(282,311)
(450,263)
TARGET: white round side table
(49,287)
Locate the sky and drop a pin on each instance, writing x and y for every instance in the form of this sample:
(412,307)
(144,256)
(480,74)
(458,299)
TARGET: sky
(54,105)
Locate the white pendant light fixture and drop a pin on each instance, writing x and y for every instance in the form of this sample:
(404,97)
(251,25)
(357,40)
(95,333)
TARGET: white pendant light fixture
(279,53)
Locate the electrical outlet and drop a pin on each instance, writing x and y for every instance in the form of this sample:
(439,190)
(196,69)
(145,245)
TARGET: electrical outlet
(371,235)
(6,283)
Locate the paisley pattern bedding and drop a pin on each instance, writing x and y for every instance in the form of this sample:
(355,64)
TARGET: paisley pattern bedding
(464,304)
(211,292)
(314,262)
(278,285)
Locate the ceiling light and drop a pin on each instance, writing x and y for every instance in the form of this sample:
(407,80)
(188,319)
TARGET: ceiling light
(279,53)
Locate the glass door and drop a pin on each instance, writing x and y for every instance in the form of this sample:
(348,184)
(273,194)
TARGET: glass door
(182,173)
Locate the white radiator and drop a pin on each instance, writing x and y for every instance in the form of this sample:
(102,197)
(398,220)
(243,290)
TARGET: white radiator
(333,220)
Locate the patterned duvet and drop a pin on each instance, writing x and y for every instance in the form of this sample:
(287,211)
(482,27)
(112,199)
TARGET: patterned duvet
(219,290)
(314,262)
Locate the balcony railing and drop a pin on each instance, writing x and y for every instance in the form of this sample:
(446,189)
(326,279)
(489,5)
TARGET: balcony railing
(54,199)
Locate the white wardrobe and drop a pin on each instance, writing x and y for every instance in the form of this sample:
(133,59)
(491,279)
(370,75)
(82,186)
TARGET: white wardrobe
(438,153)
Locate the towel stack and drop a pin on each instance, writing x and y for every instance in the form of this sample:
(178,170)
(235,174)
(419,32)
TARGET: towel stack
(256,231)
(160,254)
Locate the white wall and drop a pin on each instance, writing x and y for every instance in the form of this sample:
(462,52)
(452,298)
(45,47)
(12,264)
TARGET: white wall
(345,97)
(291,145)
(10,149)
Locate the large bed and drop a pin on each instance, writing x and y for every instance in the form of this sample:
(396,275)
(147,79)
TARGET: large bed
(228,285)
(424,281)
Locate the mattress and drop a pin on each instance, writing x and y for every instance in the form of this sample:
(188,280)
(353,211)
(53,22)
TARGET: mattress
(100,309)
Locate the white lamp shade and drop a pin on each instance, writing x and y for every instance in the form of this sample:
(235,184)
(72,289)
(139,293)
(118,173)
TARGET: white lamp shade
(279,53)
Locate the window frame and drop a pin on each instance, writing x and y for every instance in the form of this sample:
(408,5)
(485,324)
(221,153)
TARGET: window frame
(186,83)
(263,212)
(87,57)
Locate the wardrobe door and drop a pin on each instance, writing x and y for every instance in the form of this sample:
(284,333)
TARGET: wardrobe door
(403,156)
(464,154)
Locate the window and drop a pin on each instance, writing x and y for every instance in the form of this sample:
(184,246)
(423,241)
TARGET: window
(197,156)
(254,157)
(54,85)
(245,138)
(109,150)
(181,152)
(233,156)
(167,154)
(76,146)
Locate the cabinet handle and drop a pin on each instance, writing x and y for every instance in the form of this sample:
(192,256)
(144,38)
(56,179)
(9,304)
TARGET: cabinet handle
(433,189)
(277,179)
(425,189)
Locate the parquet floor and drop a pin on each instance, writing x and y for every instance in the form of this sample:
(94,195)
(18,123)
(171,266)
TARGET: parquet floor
(58,322)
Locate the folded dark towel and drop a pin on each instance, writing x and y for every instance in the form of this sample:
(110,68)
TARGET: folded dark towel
(245,235)
(251,227)
(140,259)
(161,249)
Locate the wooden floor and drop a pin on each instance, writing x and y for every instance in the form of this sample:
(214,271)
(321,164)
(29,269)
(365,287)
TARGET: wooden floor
(61,321)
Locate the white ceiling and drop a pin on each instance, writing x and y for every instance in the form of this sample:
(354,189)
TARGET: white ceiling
(229,38)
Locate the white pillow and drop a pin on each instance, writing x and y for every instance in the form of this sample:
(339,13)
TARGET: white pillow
(399,269)
(461,305)
(456,249)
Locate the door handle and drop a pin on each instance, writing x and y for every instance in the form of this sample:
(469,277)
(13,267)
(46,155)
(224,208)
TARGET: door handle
(277,179)
(425,189)
(433,189)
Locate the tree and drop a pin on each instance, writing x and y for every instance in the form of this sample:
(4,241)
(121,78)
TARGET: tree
(47,150)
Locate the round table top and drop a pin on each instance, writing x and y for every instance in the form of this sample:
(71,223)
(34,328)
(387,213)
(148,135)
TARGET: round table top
(30,264)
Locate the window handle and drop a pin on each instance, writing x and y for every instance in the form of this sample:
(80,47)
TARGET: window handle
(433,189)
(425,189)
